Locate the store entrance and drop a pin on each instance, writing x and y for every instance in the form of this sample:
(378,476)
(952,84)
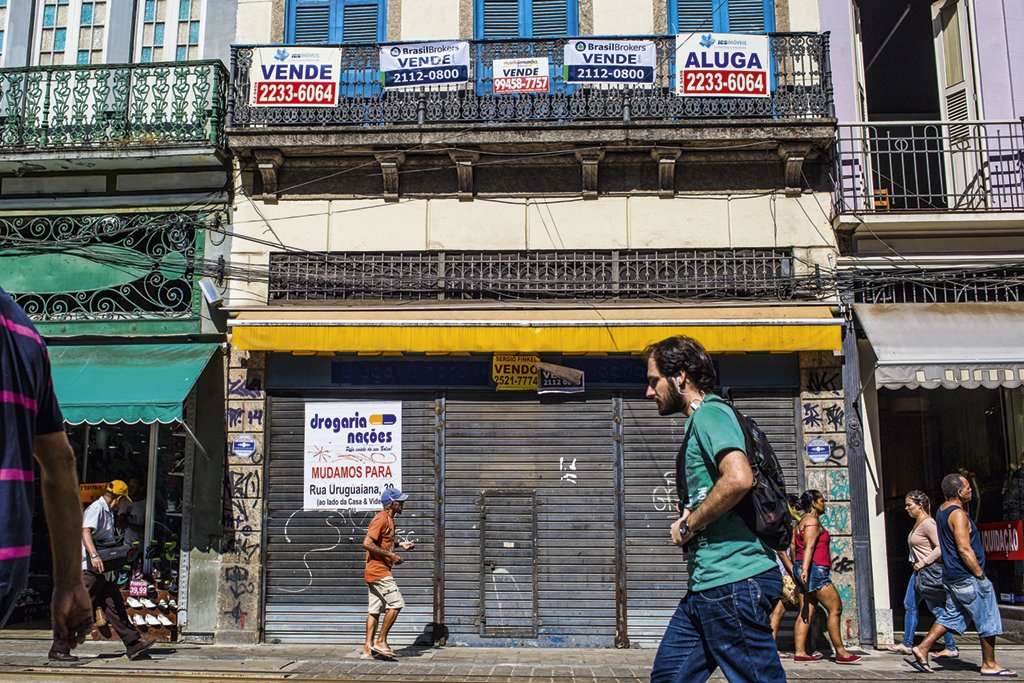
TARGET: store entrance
(151,459)
(926,434)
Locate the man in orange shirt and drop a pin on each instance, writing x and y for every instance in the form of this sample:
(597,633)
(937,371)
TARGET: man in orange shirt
(385,597)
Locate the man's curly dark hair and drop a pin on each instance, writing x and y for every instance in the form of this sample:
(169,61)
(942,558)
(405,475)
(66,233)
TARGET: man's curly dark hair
(683,354)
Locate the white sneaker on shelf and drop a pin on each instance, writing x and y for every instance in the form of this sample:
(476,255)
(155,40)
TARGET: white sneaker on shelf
(173,604)
(133,603)
(138,620)
(164,620)
(162,604)
(148,604)
(152,621)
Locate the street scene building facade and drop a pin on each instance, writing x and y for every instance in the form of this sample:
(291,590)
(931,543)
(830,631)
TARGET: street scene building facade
(465,241)
(288,253)
(928,213)
(114,178)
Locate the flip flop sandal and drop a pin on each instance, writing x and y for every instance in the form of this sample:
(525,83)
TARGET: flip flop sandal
(920,667)
(384,652)
(366,655)
(1002,673)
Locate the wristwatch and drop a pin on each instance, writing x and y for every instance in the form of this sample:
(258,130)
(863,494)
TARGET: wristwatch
(94,555)
(684,529)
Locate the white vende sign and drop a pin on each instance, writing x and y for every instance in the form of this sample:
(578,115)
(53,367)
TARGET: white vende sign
(294,76)
(352,452)
(512,76)
(613,62)
(722,65)
(411,65)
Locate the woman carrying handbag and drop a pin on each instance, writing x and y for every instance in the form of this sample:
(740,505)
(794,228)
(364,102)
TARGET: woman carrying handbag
(926,581)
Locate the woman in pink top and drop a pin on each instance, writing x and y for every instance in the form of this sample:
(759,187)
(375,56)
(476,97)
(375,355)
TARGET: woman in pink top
(924,551)
(811,553)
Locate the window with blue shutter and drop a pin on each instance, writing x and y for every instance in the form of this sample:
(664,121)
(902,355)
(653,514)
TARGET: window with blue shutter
(721,16)
(525,18)
(335,21)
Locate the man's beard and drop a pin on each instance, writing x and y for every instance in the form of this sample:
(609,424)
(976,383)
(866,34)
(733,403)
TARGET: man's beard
(675,401)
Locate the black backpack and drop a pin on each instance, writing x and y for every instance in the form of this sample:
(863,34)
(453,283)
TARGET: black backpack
(766,508)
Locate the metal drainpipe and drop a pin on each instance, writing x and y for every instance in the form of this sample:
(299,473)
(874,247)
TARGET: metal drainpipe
(859,494)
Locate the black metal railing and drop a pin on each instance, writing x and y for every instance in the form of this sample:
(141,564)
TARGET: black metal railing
(112,105)
(957,166)
(801,88)
(628,274)
(947,285)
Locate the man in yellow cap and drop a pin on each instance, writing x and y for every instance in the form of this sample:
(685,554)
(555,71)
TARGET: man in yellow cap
(98,526)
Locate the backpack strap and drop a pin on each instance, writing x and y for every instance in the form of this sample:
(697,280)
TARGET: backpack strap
(682,486)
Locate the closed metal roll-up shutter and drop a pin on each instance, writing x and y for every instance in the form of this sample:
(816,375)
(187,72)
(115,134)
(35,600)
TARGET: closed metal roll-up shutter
(655,572)
(558,457)
(776,415)
(315,590)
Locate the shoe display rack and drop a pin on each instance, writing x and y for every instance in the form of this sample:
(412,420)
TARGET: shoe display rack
(154,616)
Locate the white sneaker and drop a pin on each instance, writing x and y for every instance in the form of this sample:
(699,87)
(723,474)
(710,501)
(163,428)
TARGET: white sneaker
(162,604)
(148,604)
(152,621)
(164,620)
(133,603)
(138,620)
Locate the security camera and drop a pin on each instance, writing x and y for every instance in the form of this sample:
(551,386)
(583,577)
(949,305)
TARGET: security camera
(210,292)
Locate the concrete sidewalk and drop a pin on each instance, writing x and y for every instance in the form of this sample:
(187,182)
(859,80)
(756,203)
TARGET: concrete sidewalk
(23,657)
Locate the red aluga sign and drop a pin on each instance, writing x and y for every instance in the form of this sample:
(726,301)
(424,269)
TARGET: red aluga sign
(1002,540)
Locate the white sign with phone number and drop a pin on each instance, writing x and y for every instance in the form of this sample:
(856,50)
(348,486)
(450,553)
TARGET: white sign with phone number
(295,76)
(722,65)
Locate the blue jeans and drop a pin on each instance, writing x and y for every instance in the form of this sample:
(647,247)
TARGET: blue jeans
(910,603)
(728,627)
(13,579)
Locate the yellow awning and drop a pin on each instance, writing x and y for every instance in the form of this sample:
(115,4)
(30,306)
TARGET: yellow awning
(583,330)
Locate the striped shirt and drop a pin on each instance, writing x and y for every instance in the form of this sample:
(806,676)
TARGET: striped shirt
(27,408)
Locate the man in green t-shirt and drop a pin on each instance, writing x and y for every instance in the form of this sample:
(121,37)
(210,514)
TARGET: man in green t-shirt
(725,618)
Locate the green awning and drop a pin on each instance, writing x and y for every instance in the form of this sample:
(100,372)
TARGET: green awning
(126,382)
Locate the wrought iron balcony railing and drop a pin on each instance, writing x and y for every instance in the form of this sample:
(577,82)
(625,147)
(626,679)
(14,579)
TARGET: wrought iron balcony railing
(627,274)
(111,105)
(959,166)
(801,88)
(110,267)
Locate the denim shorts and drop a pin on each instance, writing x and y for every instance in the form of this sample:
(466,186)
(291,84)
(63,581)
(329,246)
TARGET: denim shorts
(972,600)
(818,578)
